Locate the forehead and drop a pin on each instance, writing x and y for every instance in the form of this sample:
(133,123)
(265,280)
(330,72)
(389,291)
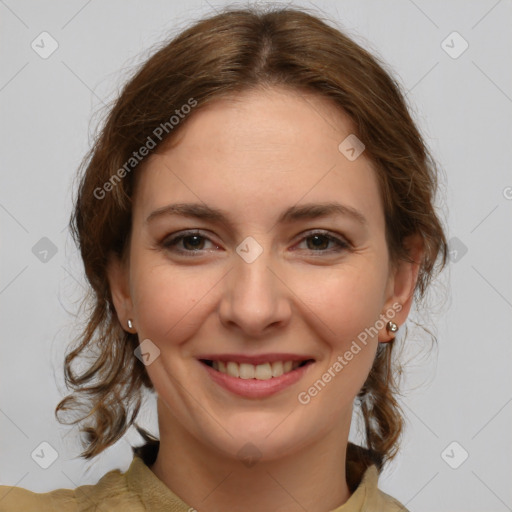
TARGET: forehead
(258,151)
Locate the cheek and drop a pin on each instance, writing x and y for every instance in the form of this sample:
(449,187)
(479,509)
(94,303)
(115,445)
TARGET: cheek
(170,301)
(347,304)
(346,300)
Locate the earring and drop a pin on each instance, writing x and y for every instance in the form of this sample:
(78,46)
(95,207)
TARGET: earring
(391,327)
(130,324)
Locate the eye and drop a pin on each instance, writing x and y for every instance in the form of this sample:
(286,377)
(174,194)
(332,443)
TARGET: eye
(320,240)
(190,242)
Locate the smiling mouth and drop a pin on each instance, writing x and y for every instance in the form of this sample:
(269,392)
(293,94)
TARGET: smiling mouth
(265,371)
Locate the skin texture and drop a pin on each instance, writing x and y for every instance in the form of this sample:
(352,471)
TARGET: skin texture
(254,155)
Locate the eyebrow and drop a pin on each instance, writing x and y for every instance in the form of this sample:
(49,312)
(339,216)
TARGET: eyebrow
(291,214)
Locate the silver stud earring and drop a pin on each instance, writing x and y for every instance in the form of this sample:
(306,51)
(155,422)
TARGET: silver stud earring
(130,324)
(391,327)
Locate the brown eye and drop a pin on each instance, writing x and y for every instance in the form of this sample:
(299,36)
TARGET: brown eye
(318,242)
(187,243)
(193,242)
(325,242)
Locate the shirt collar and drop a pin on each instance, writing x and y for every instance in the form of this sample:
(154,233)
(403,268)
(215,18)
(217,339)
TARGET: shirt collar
(156,496)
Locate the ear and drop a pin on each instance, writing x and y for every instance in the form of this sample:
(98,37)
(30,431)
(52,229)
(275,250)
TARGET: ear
(117,275)
(400,287)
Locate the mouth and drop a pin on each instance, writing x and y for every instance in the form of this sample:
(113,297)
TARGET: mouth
(256,376)
(263,371)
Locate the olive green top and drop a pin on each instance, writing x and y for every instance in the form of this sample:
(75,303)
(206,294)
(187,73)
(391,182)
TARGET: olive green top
(139,490)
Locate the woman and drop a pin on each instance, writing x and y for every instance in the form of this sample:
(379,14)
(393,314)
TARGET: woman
(255,219)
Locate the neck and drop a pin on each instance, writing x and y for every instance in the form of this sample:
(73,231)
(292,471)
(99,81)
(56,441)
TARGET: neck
(311,478)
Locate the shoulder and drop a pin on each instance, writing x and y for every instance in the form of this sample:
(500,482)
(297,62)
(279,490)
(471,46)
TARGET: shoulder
(375,499)
(111,493)
(362,472)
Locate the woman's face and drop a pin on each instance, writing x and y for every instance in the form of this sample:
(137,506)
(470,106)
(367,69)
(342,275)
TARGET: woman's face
(281,257)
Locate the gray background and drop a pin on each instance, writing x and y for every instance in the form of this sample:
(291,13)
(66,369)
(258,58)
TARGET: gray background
(459,392)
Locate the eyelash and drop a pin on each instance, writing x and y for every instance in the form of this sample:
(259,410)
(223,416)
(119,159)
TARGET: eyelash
(169,243)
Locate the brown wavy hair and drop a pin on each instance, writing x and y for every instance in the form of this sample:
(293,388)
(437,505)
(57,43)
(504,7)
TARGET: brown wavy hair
(227,53)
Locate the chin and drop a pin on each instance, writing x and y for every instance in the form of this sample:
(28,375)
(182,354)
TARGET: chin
(262,437)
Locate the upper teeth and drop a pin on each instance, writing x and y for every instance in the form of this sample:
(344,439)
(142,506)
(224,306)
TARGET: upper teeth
(263,371)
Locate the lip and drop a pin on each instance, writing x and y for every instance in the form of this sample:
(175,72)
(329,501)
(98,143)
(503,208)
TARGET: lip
(254,388)
(256,359)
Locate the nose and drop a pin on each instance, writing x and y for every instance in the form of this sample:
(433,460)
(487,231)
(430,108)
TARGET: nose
(255,298)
